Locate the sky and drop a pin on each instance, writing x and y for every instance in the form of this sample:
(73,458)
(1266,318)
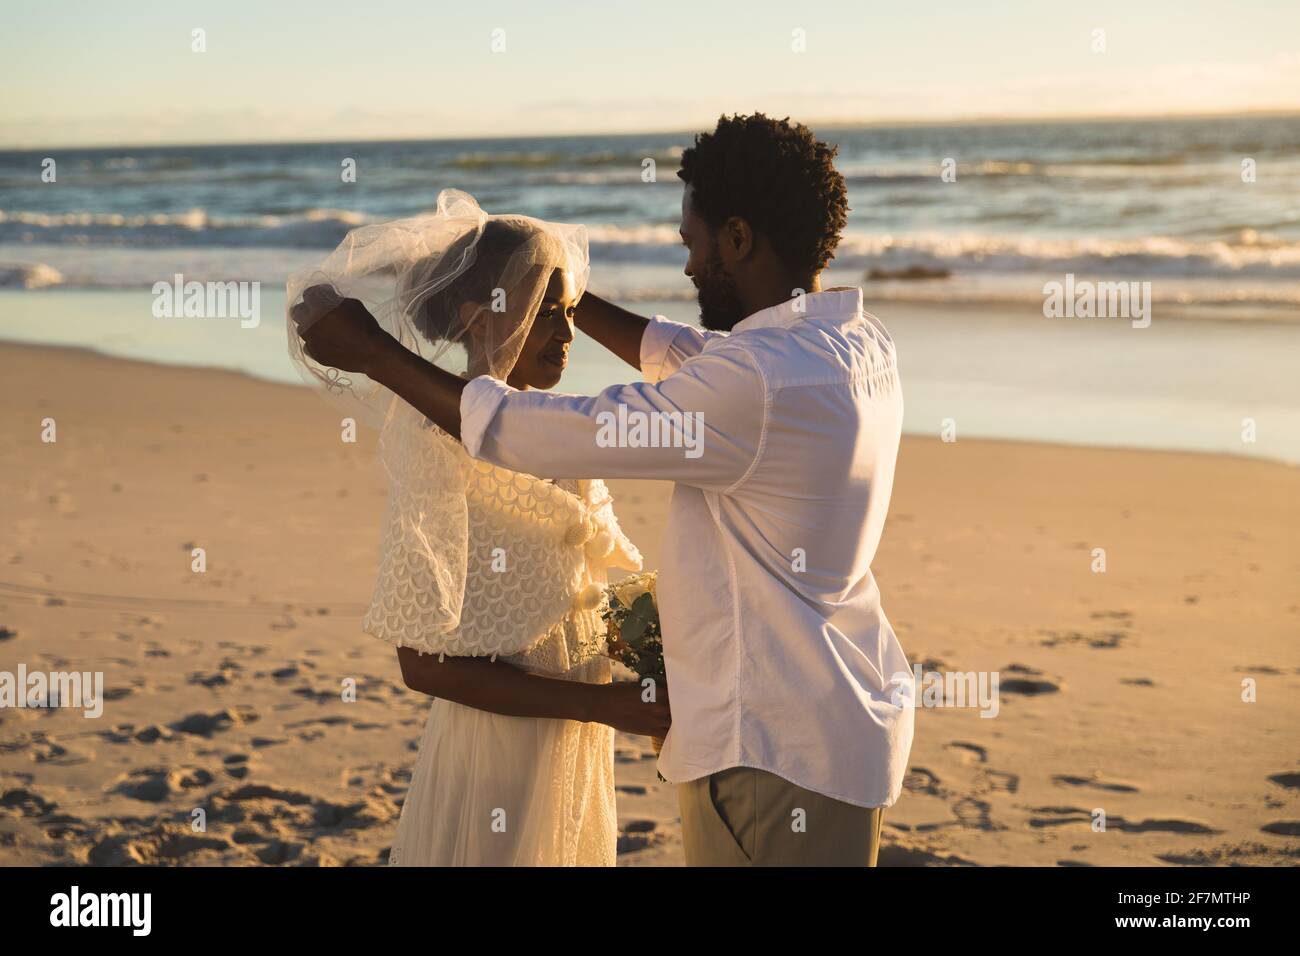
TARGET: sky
(123,72)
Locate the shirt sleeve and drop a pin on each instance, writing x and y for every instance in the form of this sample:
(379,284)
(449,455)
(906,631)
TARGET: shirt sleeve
(702,425)
(666,344)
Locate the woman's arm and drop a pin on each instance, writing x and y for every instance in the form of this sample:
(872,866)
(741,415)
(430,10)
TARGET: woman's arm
(343,334)
(500,688)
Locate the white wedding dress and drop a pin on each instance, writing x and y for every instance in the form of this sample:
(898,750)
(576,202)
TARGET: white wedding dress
(488,789)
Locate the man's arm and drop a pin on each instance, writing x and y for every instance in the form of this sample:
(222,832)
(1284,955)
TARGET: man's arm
(617,329)
(702,425)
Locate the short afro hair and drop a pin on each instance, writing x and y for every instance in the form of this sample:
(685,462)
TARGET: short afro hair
(778,177)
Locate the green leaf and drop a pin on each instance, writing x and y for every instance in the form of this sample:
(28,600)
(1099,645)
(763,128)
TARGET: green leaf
(642,618)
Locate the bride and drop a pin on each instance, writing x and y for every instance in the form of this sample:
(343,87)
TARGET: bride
(490,581)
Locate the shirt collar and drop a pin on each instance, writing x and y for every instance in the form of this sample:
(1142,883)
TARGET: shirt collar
(841,302)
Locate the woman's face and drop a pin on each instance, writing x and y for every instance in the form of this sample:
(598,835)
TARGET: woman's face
(546,350)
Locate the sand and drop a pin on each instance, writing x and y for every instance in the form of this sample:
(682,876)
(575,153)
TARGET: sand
(1122,691)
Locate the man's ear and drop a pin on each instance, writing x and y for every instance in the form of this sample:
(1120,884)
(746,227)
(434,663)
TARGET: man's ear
(738,237)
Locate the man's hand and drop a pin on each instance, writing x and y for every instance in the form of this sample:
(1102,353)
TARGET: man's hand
(339,332)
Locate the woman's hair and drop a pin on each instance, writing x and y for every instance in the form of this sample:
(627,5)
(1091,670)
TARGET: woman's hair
(439,317)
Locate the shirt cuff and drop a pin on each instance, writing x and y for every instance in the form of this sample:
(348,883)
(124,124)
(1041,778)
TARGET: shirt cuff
(656,340)
(478,406)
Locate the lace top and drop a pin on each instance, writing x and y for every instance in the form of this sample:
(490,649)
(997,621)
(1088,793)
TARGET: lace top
(478,560)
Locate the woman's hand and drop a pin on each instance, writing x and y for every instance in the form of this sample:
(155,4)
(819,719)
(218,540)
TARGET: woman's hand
(339,332)
(623,707)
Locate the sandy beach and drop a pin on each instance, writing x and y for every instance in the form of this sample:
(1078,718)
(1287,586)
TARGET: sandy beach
(1121,691)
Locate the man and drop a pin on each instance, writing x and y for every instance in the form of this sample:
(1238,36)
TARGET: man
(792,709)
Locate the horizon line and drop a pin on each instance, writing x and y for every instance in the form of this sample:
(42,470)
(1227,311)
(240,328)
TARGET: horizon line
(828,124)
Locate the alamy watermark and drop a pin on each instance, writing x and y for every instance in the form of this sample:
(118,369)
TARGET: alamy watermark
(75,908)
(1084,299)
(39,689)
(973,689)
(208,300)
(631,428)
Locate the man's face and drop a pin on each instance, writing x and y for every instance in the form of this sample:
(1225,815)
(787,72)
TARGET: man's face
(719,298)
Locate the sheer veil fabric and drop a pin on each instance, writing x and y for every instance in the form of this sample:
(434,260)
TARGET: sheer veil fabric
(477,560)
(460,288)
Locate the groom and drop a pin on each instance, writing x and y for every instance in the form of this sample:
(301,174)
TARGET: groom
(792,712)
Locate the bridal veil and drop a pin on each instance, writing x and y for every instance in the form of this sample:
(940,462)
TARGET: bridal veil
(460,288)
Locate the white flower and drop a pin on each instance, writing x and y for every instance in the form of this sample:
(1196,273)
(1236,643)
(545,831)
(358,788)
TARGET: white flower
(629,589)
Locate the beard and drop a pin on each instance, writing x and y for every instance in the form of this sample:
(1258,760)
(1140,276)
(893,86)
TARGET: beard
(720,305)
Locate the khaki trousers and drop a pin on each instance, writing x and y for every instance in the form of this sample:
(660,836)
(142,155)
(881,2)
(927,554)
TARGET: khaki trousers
(747,817)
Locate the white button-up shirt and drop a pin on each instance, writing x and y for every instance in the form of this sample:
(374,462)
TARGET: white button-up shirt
(778,653)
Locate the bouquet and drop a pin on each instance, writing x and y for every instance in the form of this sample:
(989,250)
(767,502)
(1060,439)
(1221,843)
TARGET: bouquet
(631,619)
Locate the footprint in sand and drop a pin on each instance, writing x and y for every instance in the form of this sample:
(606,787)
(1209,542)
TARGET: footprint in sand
(205,725)
(637,835)
(279,851)
(1094,781)
(1161,826)
(63,826)
(1031,683)
(1063,816)
(155,784)
(332,721)
(393,781)
(969,753)
(140,620)
(1123,618)
(921,780)
(278,811)
(1260,669)
(898,855)
(1289,828)
(43,749)
(126,733)
(162,844)
(1238,854)
(997,780)
(317,696)
(1059,816)
(225,674)
(1105,640)
(975,814)
(19,801)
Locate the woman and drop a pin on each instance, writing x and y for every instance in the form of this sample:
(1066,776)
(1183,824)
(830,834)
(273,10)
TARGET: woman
(490,581)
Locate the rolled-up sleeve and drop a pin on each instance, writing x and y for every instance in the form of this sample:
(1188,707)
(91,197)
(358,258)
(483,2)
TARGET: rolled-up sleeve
(702,425)
(478,406)
(666,344)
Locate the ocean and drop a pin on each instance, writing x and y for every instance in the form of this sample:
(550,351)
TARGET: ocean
(953,234)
